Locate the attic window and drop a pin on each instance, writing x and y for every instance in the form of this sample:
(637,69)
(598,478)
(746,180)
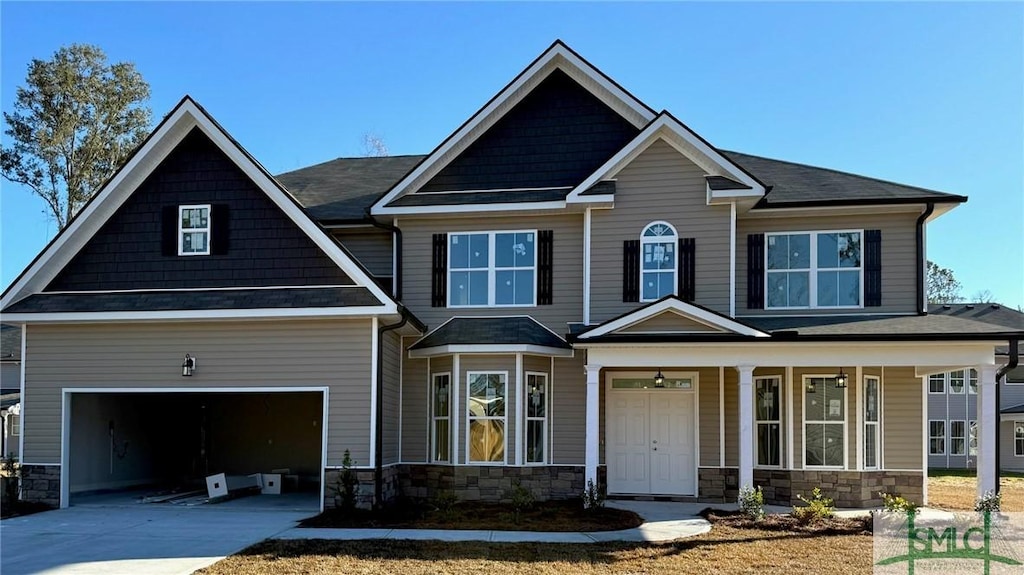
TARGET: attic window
(194,230)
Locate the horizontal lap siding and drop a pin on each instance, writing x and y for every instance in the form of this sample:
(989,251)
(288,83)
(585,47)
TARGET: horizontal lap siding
(567,265)
(392,349)
(569,410)
(1007,456)
(371,248)
(415,407)
(710,416)
(335,354)
(901,419)
(899,254)
(660,184)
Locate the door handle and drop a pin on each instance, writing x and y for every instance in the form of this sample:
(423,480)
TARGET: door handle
(655,441)
(655,449)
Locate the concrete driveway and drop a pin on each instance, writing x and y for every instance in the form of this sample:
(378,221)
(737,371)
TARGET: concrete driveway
(136,539)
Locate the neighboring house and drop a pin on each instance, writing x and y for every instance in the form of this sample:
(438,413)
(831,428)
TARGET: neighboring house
(952,401)
(571,287)
(10,391)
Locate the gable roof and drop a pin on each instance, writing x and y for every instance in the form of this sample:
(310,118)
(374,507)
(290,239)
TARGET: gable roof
(490,334)
(992,313)
(185,117)
(720,323)
(557,57)
(795,185)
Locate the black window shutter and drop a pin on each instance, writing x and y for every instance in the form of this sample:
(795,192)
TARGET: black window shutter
(220,231)
(755,271)
(872,268)
(169,231)
(687,269)
(545,268)
(631,270)
(439,273)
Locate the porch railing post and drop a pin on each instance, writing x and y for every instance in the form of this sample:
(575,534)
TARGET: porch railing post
(746,417)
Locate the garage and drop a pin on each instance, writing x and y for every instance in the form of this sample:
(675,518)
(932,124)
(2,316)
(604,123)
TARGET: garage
(153,442)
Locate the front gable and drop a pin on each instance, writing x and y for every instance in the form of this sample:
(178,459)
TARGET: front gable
(671,322)
(116,242)
(670,316)
(253,243)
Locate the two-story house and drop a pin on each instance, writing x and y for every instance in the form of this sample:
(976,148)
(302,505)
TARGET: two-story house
(953,405)
(570,288)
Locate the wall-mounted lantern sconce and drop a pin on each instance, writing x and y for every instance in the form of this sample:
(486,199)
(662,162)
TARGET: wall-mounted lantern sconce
(841,379)
(188,366)
(659,379)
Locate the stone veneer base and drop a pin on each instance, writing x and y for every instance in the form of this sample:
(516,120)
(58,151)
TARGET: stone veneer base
(856,489)
(41,484)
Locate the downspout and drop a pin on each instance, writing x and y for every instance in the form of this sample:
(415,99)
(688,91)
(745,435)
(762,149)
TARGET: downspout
(922,305)
(378,464)
(396,282)
(1000,374)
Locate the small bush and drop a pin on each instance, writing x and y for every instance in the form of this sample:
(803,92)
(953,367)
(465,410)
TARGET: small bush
(593,497)
(11,470)
(445,502)
(522,499)
(817,508)
(898,503)
(989,502)
(347,488)
(751,502)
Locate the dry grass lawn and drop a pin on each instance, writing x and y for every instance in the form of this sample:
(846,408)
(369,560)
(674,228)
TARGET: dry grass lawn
(725,549)
(956,491)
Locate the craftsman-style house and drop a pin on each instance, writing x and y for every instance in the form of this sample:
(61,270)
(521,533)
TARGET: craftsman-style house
(572,287)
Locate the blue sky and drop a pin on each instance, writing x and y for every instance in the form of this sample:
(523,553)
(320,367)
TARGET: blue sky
(925,94)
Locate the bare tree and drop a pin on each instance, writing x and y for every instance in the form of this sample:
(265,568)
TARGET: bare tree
(943,286)
(983,296)
(374,146)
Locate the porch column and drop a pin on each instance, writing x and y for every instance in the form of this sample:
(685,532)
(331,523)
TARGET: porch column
(988,427)
(593,429)
(746,415)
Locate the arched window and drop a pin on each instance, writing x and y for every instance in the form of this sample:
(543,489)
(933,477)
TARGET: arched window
(657,261)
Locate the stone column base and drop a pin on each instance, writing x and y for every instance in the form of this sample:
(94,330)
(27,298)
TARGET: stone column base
(41,484)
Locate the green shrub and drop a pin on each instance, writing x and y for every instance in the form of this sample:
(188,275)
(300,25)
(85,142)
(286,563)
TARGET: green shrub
(989,502)
(751,502)
(898,503)
(347,488)
(445,502)
(522,499)
(593,497)
(817,508)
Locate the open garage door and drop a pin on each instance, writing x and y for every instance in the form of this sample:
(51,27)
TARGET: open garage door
(161,441)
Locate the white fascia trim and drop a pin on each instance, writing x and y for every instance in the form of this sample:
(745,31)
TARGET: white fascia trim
(469,208)
(664,125)
(187,116)
(176,315)
(558,56)
(491,349)
(728,196)
(682,308)
(253,389)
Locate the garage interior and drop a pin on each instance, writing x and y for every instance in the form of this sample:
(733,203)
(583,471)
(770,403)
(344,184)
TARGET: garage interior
(143,444)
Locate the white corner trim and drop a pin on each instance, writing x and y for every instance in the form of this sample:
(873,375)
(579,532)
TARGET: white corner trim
(186,116)
(732,259)
(587,226)
(374,353)
(558,56)
(21,398)
(680,307)
(686,142)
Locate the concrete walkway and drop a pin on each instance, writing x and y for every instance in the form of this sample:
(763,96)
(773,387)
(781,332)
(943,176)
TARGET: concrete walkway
(663,521)
(138,539)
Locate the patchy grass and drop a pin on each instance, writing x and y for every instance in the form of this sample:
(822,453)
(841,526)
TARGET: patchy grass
(955,489)
(734,545)
(543,516)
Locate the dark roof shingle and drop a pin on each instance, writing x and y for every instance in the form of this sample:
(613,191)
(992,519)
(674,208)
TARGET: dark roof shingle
(491,331)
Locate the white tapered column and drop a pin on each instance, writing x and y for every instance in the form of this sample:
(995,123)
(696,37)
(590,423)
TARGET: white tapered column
(988,427)
(746,416)
(593,422)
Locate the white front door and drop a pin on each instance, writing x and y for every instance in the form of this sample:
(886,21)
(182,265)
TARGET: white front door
(651,442)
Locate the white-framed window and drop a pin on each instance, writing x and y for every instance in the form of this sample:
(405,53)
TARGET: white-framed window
(957,381)
(536,432)
(487,269)
(486,413)
(814,270)
(824,423)
(657,261)
(937,383)
(872,419)
(973,385)
(194,230)
(936,437)
(1018,438)
(958,437)
(768,421)
(440,418)
(15,423)
(972,439)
